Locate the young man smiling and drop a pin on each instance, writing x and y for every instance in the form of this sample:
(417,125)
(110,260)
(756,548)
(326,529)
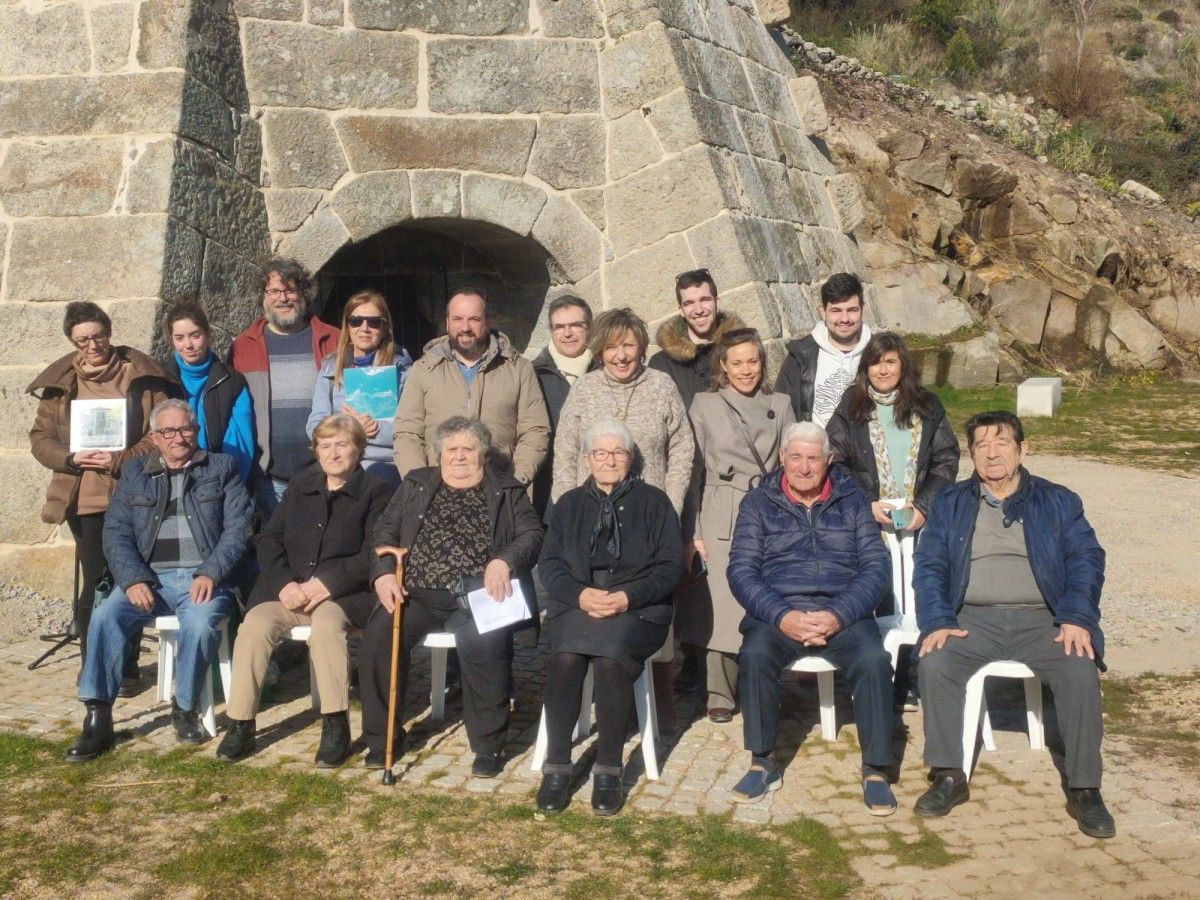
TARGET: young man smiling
(687,340)
(819,367)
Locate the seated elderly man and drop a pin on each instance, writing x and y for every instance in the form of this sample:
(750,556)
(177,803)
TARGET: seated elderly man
(1009,568)
(175,528)
(809,567)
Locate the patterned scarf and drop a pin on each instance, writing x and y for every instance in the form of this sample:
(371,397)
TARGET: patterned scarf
(883,460)
(606,525)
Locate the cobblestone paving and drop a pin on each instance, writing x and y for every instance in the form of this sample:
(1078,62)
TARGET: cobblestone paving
(1013,839)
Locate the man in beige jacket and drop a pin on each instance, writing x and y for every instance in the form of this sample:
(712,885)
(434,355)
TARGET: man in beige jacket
(477,373)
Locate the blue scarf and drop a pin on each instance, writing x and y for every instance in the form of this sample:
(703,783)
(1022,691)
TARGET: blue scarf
(361,361)
(193,379)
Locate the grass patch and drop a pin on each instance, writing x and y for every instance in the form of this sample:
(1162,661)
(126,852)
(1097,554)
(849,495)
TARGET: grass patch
(1160,714)
(928,851)
(215,830)
(1139,421)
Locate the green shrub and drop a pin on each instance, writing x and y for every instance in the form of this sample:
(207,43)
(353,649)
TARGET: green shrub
(1128,12)
(1134,53)
(1170,17)
(959,62)
(937,17)
(1076,150)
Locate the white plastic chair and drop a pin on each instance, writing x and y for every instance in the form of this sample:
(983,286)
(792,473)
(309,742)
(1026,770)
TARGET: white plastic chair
(976,704)
(824,670)
(900,629)
(440,643)
(168,638)
(647,713)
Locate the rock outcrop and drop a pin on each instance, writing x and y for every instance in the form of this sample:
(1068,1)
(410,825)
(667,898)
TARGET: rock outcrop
(963,233)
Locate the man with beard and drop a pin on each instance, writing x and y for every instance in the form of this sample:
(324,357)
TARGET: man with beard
(818,368)
(475,372)
(279,355)
(687,340)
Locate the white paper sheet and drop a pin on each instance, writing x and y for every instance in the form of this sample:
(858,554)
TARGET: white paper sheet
(98,425)
(490,615)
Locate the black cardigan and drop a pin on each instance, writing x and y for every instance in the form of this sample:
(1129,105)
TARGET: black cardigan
(937,457)
(516,531)
(313,533)
(651,562)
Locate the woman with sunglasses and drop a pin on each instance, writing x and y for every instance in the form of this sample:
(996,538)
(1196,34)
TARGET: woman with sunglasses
(366,340)
(83,480)
(216,393)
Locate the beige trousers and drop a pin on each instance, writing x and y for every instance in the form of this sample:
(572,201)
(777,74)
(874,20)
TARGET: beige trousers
(261,632)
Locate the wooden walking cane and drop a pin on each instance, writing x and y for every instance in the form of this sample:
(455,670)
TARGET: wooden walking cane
(397,615)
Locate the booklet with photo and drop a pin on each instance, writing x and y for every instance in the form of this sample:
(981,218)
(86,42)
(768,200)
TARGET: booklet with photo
(98,425)
(371,390)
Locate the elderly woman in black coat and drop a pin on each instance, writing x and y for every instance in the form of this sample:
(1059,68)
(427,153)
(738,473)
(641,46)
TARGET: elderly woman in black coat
(313,560)
(612,556)
(460,521)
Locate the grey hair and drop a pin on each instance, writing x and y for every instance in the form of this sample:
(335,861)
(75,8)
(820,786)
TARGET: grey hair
(457,425)
(164,405)
(808,433)
(608,428)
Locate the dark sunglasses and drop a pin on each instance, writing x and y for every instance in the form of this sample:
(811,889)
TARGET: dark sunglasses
(694,275)
(375,322)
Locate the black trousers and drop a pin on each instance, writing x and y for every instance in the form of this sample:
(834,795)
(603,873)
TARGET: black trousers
(613,692)
(485,661)
(857,650)
(88,532)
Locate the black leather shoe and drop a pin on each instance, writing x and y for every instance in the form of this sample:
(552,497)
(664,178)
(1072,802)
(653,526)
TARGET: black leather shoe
(97,734)
(487,765)
(554,795)
(238,741)
(946,792)
(335,740)
(607,796)
(376,758)
(131,682)
(188,727)
(1086,807)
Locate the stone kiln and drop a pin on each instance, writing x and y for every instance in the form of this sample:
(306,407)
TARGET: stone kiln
(154,149)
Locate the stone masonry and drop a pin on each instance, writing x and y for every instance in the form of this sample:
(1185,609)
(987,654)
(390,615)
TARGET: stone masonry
(153,149)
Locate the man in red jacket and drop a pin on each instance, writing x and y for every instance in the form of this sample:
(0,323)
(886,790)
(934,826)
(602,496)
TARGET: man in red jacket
(279,355)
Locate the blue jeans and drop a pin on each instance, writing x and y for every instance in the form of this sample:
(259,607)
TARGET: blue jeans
(268,492)
(114,620)
(857,650)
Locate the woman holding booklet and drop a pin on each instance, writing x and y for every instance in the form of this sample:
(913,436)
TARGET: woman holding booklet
(611,559)
(465,527)
(120,386)
(363,378)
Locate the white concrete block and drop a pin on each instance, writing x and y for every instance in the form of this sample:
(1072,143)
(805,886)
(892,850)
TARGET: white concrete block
(1039,396)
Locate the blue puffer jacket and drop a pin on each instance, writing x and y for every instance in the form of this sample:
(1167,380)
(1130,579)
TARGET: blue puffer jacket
(1066,558)
(786,557)
(215,500)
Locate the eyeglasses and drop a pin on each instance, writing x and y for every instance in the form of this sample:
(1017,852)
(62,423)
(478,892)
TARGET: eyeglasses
(569,326)
(169,434)
(97,339)
(280,293)
(600,455)
(372,322)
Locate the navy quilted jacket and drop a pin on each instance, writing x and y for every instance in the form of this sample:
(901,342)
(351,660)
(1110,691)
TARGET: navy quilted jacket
(1066,558)
(786,557)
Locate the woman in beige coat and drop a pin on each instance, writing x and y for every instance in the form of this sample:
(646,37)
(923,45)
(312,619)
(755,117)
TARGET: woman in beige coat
(735,420)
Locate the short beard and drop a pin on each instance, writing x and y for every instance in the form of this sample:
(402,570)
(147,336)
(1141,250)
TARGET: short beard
(279,321)
(851,341)
(474,349)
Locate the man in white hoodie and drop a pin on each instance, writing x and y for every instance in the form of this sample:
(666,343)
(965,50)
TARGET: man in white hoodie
(818,368)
